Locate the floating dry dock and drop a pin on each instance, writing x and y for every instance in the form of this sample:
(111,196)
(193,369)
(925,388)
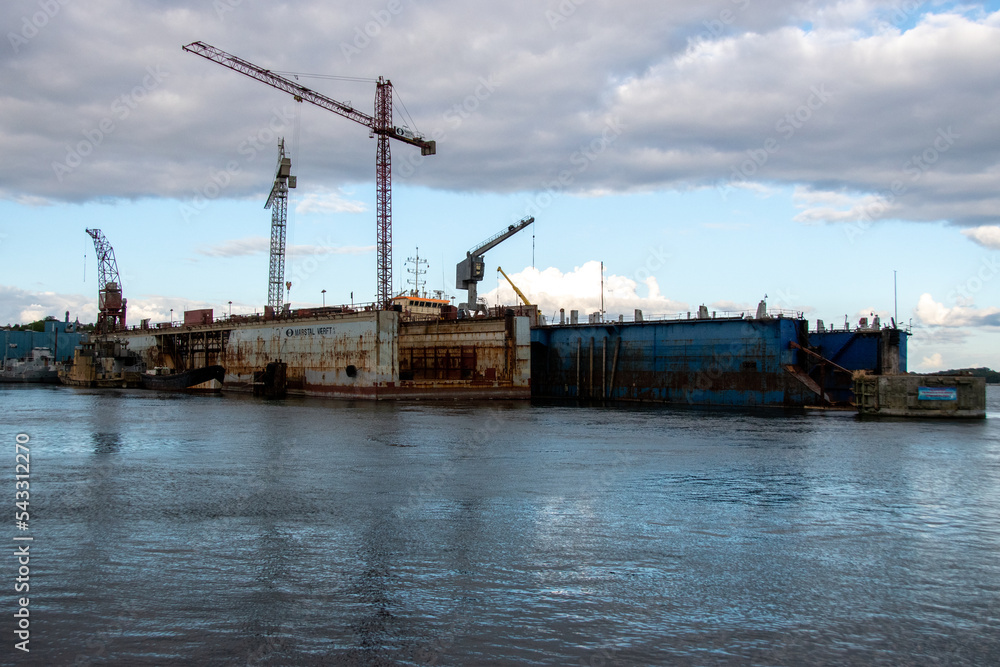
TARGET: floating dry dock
(347,353)
(767,360)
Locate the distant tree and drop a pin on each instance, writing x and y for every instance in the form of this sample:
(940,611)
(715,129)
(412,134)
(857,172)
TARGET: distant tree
(992,376)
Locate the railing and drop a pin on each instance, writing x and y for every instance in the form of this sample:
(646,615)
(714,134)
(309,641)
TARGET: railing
(775,313)
(257,318)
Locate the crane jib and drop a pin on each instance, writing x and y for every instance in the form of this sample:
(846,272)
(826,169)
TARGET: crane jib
(380,124)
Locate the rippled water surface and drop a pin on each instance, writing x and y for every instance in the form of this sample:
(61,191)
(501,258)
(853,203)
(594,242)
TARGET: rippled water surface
(174,529)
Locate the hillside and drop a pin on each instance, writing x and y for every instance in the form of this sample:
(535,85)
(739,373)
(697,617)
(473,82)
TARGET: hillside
(992,376)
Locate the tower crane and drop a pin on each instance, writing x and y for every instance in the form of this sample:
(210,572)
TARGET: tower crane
(277,201)
(110,304)
(516,291)
(379,125)
(472,269)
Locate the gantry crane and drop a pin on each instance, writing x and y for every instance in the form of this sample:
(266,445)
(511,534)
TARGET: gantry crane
(472,269)
(277,201)
(379,125)
(516,291)
(110,304)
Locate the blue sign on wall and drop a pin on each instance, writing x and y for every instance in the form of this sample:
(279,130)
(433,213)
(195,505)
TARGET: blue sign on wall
(937,394)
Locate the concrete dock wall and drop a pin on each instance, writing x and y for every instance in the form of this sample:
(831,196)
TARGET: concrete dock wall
(955,396)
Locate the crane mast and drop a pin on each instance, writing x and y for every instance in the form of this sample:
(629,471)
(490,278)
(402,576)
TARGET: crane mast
(110,304)
(277,201)
(471,270)
(379,125)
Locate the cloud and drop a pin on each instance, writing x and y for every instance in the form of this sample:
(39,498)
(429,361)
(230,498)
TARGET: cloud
(934,362)
(238,247)
(874,103)
(328,202)
(256,245)
(932,313)
(19,306)
(987,236)
(580,289)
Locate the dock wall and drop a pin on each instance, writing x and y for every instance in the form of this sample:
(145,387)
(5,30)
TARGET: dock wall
(728,362)
(363,355)
(935,396)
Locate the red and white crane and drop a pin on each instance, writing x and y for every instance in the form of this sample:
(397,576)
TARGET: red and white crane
(379,125)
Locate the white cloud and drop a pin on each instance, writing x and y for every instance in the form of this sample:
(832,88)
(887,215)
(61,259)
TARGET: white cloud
(580,289)
(934,362)
(328,202)
(987,236)
(18,306)
(932,313)
(256,245)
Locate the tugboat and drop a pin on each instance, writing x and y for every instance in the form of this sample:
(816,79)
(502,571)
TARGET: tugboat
(102,363)
(208,379)
(39,366)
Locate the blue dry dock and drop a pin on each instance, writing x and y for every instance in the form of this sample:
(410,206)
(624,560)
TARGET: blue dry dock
(767,360)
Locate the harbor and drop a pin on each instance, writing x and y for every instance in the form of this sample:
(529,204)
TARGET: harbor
(318,531)
(572,333)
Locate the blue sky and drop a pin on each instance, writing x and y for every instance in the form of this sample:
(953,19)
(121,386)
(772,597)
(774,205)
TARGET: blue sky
(707,155)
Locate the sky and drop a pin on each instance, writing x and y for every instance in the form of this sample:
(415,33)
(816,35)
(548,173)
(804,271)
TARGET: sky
(840,159)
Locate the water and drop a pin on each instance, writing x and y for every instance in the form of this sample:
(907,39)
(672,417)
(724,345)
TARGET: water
(229,530)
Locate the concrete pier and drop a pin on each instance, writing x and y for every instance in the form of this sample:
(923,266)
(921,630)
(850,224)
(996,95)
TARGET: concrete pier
(906,395)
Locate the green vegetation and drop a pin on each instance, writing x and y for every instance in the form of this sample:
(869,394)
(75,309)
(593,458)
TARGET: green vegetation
(39,325)
(992,376)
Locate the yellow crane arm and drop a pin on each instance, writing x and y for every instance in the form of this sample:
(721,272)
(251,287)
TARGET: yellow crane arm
(519,292)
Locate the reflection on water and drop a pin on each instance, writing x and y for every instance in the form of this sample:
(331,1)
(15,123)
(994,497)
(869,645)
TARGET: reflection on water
(179,529)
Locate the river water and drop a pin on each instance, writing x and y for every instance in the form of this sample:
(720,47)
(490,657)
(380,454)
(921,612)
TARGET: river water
(229,530)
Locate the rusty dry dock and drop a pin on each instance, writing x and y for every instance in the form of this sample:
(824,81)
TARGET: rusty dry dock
(366,354)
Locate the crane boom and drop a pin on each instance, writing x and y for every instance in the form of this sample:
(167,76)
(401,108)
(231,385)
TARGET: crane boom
(500,236)
(516,290)
(303,94)
(471,270)
(110,304)
(379,125)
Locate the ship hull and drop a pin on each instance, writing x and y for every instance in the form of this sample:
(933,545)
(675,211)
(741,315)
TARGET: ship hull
(208,379)
(43,377)
(368,355)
